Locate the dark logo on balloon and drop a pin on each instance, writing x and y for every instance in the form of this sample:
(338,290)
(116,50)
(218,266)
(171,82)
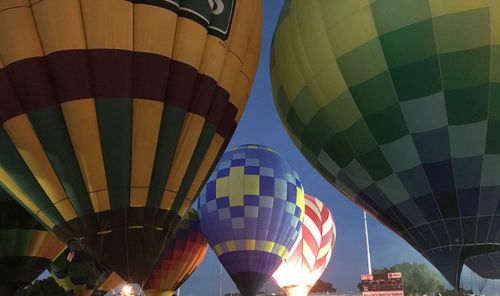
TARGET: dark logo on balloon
(215,15)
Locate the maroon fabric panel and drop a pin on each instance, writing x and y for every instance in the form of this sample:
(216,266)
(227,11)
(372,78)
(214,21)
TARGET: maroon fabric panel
(70,74)
(31,81)
(151,75)
(40,82)
(180,84)
(111,72)
(9,105)
(203,95)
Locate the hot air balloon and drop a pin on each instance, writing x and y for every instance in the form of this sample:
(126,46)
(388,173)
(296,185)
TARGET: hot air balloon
(81,276)
(395,102)
(485,265)
(251,212)
(113,113)
(180,258)
(311,253)
(26,246)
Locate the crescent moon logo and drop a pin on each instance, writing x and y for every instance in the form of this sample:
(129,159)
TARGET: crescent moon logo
(217,6)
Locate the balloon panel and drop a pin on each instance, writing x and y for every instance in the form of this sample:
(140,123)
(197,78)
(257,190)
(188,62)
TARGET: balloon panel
(251,211)
(183,253)
(81,276)
(485,265)
(394,102)
(26,247)
(113,113)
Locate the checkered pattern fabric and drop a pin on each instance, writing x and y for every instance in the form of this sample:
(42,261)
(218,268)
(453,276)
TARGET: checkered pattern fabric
(313,249)
(183,253)
(253,202)
(397,103)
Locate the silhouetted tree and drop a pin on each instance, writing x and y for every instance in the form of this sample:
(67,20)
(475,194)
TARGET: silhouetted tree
(46,287)
(322,286)
(418,279)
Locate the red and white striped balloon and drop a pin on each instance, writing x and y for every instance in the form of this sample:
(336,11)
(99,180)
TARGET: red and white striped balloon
(311,252)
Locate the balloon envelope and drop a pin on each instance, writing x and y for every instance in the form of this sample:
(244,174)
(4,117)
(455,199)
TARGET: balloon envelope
(80,277)
(312,251)
(114,111)
(26,246)
(251,211)
(485,265)
(184,252)
(395,102)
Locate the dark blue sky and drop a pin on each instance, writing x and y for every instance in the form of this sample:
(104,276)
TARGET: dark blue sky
(260,124)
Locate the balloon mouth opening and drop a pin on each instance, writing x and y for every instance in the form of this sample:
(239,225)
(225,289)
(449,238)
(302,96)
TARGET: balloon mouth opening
(297,290)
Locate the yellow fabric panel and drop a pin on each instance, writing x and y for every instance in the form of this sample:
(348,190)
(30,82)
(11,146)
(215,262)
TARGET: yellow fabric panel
(81,120)
(111,282)
(186,204)
(193,125)
(213,58)
(352,31)
(251,185)
(26,141)
(147,115)
(232,67)
(312,50)
(66,209)
(167,200)
(59,24)
(268,246)
(247,17)
(218,249)
(243,40)
(236,186)
(205,165)
(8,4)
(158,293)
(231,245)
(221,187)
(154,29)
(286,65)
(189,42)
(19,38)
(250,244)
(495,22)
(239,94)
(45,245)
(22,197)
(108,24)
(442,7)
(301,202)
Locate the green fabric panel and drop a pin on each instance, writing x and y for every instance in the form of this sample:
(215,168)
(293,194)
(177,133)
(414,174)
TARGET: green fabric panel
(14,242)
(467,105)
(465,68)
(53,135)
(170,130)
(410,44)
(391,15)
(199,153)
(12,162)
(114,116)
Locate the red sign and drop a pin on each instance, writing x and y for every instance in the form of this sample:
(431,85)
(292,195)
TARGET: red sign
(390,284)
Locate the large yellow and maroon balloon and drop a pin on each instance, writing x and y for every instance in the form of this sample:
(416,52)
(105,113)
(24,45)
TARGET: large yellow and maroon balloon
(114,111)
(397,104)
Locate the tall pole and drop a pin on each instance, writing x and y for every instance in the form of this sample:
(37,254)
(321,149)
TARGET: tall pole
(367,245)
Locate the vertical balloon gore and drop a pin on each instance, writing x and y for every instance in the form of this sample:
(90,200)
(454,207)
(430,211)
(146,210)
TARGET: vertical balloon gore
(113,112)
(251,211)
